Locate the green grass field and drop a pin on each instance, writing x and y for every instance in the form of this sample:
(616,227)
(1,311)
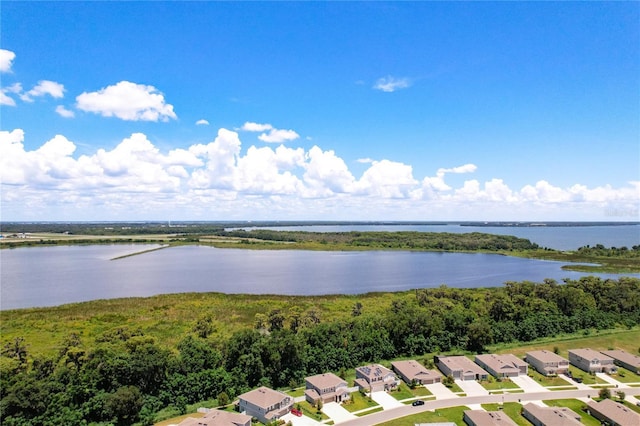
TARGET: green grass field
(359,402)
(453,414)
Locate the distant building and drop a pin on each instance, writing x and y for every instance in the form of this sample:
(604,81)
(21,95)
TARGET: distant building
(265,404)
(613,413)
(461,368)
(326,387)
(412,371)
(624,359)
(547,363)
(506,365)
(550,416)
(591,361)
(487,418)
(375,378)
(218,418)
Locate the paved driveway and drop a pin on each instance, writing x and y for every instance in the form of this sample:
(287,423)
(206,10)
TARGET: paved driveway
(336,412)
(385,400)
(440,391)
(611,380)
(527,384)
(472,388)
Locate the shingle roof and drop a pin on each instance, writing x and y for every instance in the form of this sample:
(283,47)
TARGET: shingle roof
(263,397)
(324,381)
(616,412)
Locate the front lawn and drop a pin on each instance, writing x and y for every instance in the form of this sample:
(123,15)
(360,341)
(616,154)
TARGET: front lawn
(587,378)
(626,376)
(453,414)
(493,384)
(310,411)
(403,392)
(511,409)
(548,381)
(358,402)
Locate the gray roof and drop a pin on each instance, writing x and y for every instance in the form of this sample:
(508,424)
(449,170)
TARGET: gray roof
(616,412)
(489,418)
(545,356)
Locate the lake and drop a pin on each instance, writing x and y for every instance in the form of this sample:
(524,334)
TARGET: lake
(50,276)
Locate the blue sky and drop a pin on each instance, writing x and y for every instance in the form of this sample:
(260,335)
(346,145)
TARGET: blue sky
(320,110)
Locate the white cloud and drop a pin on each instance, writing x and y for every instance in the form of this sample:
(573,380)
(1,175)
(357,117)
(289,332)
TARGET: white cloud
(44,87)
(255,127)
(216,180)
(391,84)
(7,100)
(278,136)
(6,60)
(63,112)
(273,136)
(127,101)
(202,122)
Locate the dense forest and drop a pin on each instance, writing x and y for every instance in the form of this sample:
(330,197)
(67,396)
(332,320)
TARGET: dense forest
(125,375)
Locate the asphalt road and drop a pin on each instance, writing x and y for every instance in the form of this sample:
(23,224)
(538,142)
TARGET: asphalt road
(396,413)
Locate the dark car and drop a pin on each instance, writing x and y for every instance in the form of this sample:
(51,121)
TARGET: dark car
(418,402)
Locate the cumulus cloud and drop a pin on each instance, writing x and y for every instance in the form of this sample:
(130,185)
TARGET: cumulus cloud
(63,112)
(391,84)
(44,87)
(271,134)
(202,122)
(6,60)
(15,88)
(127,101)
(219,179)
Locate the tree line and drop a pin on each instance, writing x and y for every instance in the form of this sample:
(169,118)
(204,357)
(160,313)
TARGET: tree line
(124,376)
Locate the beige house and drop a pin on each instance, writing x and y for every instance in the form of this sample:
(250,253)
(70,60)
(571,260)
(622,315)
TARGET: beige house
(326,387)
(218,418)
(613,413)
(375,378)
(487,418)
(547,363)
(461,368)
(550,416)
(591,361)
(265,404)
(624,359)
(506,365)
(413,371)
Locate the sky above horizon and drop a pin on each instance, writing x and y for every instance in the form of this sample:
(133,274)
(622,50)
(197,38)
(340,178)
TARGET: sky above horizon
(320,111)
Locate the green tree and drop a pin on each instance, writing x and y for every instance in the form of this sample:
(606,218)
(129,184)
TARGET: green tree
(124,405)
(604,393)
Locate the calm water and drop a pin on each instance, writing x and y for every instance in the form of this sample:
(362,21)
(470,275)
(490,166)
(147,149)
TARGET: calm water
(49,276)
(556,237)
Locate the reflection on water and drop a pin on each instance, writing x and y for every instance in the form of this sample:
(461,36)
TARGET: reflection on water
(48,276)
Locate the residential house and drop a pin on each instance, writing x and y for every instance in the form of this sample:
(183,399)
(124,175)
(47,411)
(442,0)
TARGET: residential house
(547,363)
(265,404)
(550,416)
(591,361)
(624,359)
(505,365)
(375,377)
(461,368)
(412,371)
(218,418)
(487,418)
(613,413)
(326,387)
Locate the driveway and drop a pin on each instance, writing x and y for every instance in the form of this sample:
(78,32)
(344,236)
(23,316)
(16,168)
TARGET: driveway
(337,413)
(440,391)
(385,400)
(527,384)
(472,388)
(611,380)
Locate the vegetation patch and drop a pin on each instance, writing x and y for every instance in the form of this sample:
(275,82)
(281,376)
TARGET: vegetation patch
(358,402)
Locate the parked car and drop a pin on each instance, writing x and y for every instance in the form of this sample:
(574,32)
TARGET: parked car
(418,402)
(296,412)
